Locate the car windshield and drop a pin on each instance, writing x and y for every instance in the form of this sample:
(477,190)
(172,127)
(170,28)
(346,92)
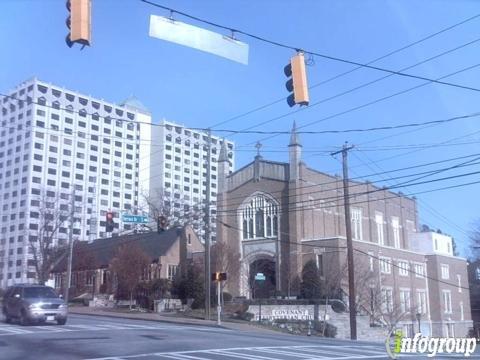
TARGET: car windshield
(39,292)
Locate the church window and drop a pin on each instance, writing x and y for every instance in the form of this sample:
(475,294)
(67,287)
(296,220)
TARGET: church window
(260,218)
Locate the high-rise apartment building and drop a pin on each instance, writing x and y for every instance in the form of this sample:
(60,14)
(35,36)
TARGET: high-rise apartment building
(179,172)
(55,142)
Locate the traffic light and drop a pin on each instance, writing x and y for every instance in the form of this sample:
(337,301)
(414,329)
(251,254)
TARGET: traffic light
(109,224)
(297,82)
(219,276)
(162,223)
(79,22)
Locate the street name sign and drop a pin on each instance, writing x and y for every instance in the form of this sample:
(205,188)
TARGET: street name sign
(138,219)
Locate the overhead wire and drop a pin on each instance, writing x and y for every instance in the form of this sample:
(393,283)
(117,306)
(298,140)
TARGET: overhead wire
(298,49)
(335,77)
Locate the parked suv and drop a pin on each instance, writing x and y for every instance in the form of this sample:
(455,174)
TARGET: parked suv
(33,303)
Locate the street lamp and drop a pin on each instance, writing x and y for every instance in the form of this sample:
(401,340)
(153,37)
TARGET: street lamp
(419,316)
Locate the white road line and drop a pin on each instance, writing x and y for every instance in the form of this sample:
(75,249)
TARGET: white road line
(332,352)
(283,352)
(241,356)
(182,356)
(321,352)
(16,330)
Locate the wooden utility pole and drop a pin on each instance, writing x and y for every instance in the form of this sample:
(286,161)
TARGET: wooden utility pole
(348,229)
(207,229)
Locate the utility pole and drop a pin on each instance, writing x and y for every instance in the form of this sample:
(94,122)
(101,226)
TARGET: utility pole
(70,247)
(207,229)
(348,229)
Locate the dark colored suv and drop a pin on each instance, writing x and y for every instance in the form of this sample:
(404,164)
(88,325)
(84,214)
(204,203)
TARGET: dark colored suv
(33,303)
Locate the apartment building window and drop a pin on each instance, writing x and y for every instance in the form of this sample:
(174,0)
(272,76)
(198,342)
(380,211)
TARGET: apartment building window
(370,260)
(357,223)
(405,301)
(319,262)
(387,299)
(421,302)
(459,279)
(385,265)
(379,224)
(403,268)
(172,271)
(445,271)
(462,314)
(447,301)
(419,270)
(396,232)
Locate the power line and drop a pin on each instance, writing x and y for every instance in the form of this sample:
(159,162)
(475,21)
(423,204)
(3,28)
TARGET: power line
(377,128)
(362,178)
(297,49)
(335,77)
(438,215)
(355,195)
(358,107)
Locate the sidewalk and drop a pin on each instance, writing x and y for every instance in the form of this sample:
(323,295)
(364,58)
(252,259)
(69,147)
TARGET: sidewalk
(173,319)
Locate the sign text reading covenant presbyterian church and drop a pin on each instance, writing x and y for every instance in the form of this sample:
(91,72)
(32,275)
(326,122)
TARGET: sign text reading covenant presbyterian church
(287,312)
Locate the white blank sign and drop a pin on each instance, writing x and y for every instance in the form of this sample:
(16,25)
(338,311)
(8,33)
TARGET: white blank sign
(180,33)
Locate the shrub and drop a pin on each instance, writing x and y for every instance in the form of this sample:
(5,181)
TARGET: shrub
(227,297)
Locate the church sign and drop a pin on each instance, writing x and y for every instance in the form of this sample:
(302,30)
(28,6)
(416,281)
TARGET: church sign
(283,312)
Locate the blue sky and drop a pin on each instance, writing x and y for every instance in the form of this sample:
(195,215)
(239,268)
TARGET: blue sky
(200,89)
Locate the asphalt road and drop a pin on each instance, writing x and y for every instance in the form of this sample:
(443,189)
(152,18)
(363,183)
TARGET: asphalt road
(96,337)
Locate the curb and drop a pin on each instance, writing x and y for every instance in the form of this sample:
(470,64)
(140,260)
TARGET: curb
(153,320)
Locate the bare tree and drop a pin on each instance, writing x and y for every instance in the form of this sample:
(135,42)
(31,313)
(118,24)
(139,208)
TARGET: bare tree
(174,206)
(376,301)
(129,264)
(224,258)
(475,240)
(44,247)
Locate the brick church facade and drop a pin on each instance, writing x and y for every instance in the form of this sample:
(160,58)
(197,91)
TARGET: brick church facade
(278,216)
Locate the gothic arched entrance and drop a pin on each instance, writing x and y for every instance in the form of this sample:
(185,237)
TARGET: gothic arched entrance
(266,288)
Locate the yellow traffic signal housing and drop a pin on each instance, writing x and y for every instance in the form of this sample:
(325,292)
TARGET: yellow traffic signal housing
(297,84)
(219,276)
(79,22)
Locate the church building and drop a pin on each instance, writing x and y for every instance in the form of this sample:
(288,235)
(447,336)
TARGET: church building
(278,216)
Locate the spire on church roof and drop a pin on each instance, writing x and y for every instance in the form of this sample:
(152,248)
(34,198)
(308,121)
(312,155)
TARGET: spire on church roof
(294,137)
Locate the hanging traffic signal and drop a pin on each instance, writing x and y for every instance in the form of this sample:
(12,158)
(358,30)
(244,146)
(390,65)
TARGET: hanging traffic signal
(162,223)
(109,224)
(297,84)
(79,22)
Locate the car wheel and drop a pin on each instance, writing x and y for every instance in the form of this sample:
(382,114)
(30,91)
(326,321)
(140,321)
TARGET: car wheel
(62,321)
(24,319)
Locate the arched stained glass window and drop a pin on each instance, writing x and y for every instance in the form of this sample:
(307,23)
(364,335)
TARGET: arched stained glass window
(260,218)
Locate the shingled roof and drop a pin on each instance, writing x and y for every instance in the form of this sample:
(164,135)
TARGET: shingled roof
(153,244)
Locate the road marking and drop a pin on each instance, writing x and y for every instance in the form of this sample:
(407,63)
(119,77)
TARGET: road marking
(274,351)
(15,330)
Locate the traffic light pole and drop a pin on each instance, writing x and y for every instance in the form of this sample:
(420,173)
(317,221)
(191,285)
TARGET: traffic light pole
(207,230)
(348,229)
(219,305)
(70,248)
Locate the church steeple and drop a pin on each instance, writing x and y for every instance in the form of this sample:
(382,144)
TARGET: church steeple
(294,137)
(295,153)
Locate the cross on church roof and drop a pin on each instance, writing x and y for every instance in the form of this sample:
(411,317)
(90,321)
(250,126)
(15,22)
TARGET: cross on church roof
(258,146)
